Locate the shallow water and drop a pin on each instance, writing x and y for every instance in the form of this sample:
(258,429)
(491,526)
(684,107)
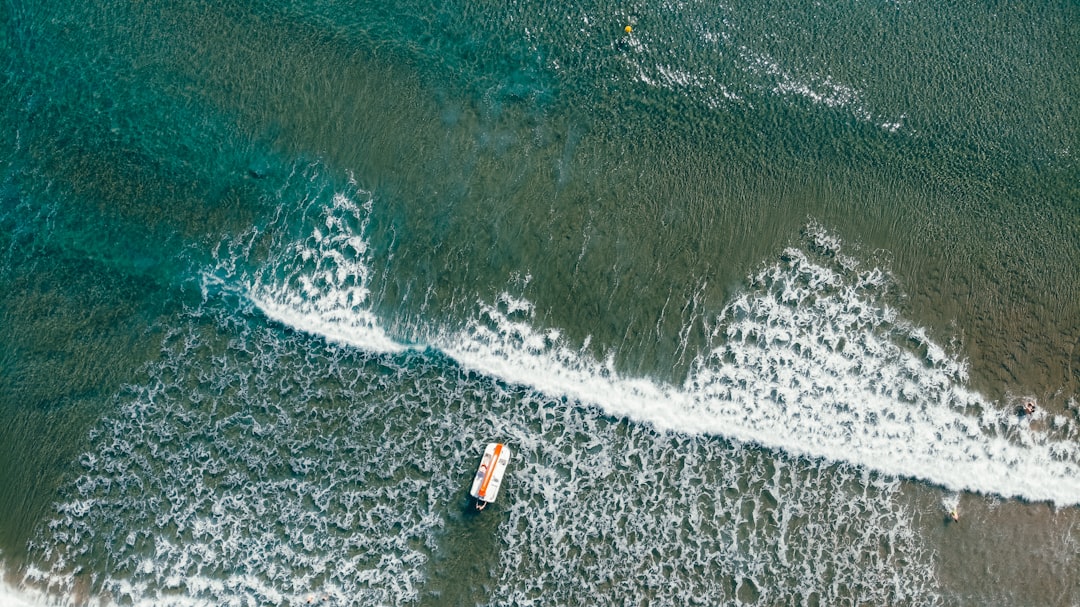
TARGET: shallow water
(754,294)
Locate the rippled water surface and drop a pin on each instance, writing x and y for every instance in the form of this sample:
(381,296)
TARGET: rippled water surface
(755,294)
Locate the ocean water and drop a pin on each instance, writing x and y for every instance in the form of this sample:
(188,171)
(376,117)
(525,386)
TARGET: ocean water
(755,293)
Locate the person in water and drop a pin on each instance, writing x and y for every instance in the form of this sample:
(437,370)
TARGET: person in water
(954,515)
(1029,407)
(480,504)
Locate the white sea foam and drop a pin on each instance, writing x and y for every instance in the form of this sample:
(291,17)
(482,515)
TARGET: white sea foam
(318,283)
(15,597)
(748,72)
(245,472)
(808,364)
(680,521)
(257,469)
(808,360)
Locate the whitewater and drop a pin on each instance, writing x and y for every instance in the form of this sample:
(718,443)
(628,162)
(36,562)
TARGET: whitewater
(808,361)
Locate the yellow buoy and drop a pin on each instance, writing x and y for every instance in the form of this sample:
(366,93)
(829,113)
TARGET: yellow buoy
(628,29)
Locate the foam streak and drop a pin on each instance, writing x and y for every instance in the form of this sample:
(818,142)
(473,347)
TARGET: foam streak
(807,361)
(806,364)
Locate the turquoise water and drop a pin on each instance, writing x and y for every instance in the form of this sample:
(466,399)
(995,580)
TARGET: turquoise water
(753,293)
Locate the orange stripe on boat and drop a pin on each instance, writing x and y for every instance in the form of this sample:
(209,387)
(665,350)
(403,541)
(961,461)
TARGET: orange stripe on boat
(490,471)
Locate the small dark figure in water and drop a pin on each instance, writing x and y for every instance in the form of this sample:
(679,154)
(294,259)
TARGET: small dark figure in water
(1029,407)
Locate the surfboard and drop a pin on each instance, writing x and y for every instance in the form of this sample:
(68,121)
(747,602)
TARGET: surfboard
(488,479)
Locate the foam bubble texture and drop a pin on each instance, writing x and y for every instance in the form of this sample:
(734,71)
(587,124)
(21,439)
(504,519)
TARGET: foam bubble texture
(811,361)
(247,471)
(261,466)
(674,520)
(255,467)
(317,280)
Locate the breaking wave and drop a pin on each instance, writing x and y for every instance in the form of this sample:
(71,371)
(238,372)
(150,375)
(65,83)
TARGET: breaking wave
(328,464)
(253,468)
(808,360)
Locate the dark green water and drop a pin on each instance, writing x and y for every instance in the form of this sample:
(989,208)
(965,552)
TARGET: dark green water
(752,292)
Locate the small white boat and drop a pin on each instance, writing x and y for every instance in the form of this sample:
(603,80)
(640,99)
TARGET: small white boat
(485,485)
